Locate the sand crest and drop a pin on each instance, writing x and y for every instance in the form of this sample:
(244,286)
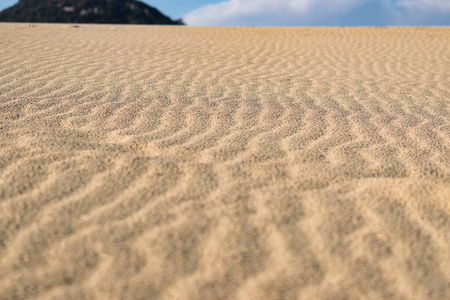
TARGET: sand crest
(141,162)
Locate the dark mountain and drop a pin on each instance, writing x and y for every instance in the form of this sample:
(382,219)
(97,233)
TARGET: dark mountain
(85,11)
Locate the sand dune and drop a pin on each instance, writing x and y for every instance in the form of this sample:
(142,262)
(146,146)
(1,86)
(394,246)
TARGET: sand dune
(142,162)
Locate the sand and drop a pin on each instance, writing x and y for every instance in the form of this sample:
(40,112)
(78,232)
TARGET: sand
(141,162)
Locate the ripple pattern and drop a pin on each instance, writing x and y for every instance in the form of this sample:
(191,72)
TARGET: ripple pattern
(147,162)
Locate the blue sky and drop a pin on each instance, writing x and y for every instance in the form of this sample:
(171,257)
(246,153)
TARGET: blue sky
(302,12)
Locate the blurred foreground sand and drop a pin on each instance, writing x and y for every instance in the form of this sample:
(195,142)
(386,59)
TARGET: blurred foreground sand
(141,162)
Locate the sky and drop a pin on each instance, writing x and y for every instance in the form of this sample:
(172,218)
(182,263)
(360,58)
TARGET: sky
(302,12)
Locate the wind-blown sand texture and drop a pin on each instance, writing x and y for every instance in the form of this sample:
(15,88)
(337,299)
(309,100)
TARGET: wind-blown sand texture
(141,162)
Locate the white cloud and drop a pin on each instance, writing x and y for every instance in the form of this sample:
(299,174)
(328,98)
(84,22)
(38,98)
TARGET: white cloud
(423,12)
(442,6)
(321,12)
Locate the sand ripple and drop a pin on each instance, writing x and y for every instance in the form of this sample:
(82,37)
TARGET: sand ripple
(143,162)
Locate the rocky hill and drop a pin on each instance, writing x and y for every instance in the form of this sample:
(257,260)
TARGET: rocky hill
(85,11)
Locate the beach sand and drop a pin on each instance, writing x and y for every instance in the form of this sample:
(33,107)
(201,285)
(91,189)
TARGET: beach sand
(141,162)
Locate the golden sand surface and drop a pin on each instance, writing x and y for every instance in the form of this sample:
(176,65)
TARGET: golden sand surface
(141,162)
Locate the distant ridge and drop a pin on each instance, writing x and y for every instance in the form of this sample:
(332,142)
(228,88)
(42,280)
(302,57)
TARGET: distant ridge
(85,11)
